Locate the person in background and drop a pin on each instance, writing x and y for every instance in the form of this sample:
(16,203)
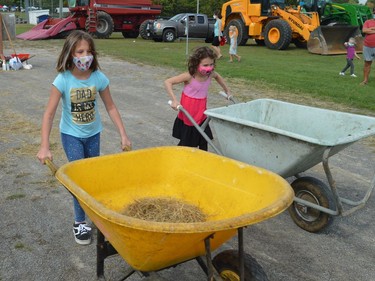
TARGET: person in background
(233,34)
(350,54)
(217,35)
(79,84)
(197,81)
(368,48)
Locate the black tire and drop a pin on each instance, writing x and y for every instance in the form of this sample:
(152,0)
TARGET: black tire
(300,43)
(260,42)
(243,31)
(130,34)
(64,34)
(227,265)
(143,30)
(104,25)
(169,35)
(278,34)
(314,191)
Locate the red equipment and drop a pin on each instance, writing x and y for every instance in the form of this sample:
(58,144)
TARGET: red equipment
(98,17)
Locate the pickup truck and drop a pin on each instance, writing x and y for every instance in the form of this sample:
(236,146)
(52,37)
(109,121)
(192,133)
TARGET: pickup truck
(64,10)
(200,26)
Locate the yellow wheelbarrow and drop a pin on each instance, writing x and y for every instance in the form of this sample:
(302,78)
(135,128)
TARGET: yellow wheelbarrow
(232,194)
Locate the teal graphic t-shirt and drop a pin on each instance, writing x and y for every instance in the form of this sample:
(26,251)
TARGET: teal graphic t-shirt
(80,116)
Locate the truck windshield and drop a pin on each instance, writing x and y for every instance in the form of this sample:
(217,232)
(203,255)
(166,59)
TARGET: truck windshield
(177,17)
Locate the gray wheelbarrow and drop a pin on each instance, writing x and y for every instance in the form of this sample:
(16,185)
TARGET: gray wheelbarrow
(289,139)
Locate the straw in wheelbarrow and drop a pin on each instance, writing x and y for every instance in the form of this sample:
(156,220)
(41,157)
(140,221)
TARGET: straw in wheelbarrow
(165,209)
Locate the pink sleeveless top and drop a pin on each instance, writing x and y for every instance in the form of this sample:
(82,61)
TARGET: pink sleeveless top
(194,100)
(196,89)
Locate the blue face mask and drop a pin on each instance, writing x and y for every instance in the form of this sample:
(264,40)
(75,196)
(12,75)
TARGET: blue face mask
(351,44)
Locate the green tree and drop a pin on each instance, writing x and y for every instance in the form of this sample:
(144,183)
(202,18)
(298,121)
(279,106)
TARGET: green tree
(172,7)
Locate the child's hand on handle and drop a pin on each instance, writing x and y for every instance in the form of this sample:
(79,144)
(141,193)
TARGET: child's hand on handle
(126,144)
(43,154)
(173,104)
(226,95)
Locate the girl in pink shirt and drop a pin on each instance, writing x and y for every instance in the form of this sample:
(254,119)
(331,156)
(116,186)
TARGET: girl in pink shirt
(197,81)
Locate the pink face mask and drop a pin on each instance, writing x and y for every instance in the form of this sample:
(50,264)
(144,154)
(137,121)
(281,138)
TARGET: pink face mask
(205,70)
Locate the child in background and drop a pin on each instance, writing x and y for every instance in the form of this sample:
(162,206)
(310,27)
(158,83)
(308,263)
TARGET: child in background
(196,81)
(79,84)
(233,33)
(350,54)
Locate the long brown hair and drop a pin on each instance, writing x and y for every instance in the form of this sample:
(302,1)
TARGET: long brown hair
(65,60)
(199,54)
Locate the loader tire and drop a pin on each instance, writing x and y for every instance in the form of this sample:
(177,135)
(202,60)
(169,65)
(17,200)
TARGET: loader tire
(300,43)
(243,31)
(104,26)
(259,42)
(278,34)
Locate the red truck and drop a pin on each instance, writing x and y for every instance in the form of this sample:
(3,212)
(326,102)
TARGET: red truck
(98,17)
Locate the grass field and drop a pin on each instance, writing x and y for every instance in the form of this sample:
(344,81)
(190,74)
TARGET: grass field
(294,70)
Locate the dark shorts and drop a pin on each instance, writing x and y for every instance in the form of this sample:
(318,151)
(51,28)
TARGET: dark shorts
(216,41)
(189,135)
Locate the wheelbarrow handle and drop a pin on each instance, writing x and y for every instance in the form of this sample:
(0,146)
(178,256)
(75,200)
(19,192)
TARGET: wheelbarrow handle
(178,106)
(196,125)
(228,97)
(52,166)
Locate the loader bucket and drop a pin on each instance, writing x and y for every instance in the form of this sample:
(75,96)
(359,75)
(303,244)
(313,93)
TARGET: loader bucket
(329,40)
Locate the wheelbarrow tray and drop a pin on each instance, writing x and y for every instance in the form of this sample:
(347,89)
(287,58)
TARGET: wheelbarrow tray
(22,57)
(231,193)
(282,137)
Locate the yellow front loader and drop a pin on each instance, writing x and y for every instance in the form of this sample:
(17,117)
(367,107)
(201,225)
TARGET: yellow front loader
(276,26)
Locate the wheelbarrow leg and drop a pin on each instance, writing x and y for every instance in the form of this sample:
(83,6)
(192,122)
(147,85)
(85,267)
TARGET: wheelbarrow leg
(208,267)
(103,250)
(99,254)
(241,261)
(210,271)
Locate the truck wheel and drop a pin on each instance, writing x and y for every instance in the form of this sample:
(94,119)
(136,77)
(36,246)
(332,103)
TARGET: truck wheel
(143,29)
(169,35)
(104,25)
(227,265)
(130,34)
(314,191)
(278,34)
(243,31)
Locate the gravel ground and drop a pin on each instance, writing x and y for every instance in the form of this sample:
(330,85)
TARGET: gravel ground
(36,212)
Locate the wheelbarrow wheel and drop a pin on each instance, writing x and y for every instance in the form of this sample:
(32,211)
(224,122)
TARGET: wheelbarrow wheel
(227,265)
(316,192)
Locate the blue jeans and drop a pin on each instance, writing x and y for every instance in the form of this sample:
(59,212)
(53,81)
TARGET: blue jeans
(79,148)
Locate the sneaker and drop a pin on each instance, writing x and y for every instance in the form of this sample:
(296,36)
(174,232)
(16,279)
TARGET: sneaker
(82,233)
(342,73)
(353,75)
